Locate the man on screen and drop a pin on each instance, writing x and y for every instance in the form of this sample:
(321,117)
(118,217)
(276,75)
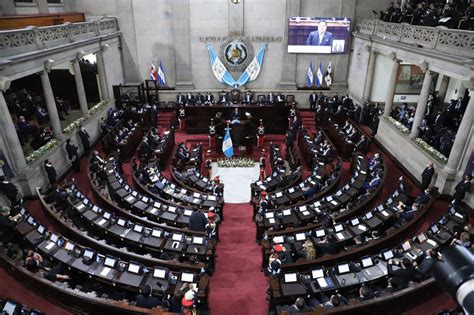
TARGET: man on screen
(320,37)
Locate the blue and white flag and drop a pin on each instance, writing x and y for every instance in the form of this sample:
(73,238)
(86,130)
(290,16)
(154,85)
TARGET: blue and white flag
(319,75)
(309,75)
(253,69)
(328,77)
(227,145)
(161,76)
(219,70)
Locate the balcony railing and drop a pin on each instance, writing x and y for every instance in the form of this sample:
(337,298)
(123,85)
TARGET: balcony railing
(454,42)
(14,42)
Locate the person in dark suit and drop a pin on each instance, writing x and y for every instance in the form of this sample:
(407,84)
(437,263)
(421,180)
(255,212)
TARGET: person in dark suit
(424,197)
(146,299)
(426,176)
(313,99)
(9,190)
(404,274)
(50,171)
(427,263)
(180,98)
(461,189)
(320,37)
(85,139)
(361,144)
(72,154)
(248,97)
(299,307)
(197,221)
(209,99)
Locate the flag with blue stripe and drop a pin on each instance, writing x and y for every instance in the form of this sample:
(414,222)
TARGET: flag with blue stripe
(227,145)
(309,75)
(219,70)
(319,75)
(161,76)
(253,69)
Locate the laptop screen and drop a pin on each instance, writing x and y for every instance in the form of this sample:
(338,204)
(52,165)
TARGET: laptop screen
(338,228)
(198,240)
(159,273)
(320,233)
(317,273)
(177,237)
(133,268)
(387,255)
(367,262)
(110,262)
(406,246)
(187,277)
(343,268)
(300,236)
(290,277)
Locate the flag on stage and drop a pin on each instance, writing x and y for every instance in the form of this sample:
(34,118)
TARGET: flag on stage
(227,145)
(328,77)
(219,70)
(153,72)
(253,69)
(161,76)
(319,75)
(309,75)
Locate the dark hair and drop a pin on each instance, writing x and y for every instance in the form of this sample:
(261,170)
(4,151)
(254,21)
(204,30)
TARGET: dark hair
(300,303)
(335,300)
(32,265)
(147,290)
(406,262)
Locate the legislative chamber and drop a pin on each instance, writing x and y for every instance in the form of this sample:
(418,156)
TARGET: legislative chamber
(236,157)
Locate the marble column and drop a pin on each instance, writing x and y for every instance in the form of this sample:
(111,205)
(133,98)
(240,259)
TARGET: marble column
(81,93)
(182,44)
(461,136)
(392,83)
(370,76)
(51,105)
(15,152)
(443,89)
(43,6)
(421,105)
(104,92)
(288,63)
(236,18)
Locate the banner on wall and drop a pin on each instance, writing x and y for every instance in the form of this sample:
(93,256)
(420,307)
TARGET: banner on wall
(223,75)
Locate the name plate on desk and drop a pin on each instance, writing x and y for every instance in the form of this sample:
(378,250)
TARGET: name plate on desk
(105,271)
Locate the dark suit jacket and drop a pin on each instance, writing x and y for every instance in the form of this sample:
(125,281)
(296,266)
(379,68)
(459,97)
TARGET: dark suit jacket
(403,275)
(9,190)
(147,301)
(426,176)
(313,39)
(197,221)
(71,151)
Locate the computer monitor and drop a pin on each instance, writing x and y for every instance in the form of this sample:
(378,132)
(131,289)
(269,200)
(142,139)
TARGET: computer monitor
(121,222)
(172,209)
(30,220)
(291,277)
(338,228)
(69,246)
(107,215)
(387,254)
(320,233)
(406,246)
(421,237)
(198,240)
(138,228)
(369,215)
(126,187)
(278,239)
(9,307)
(367,262)
(88,253)
(177,237)
(53,238)
(434,229)
(110,262)
(78,194)
(300,236)
(156,233)
(134,194)
(317,273)
(187,277)
(145,199)
(343,268)
(41,229)
(134,268)
(159,273)
(355,221)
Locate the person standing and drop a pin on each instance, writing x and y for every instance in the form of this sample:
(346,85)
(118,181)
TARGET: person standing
(197,220)
(313,99)
(9,190)
(50,171)
(73,156)
(461,189)
(426,176)
(85,139)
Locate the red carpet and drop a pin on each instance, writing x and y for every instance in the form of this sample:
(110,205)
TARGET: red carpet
(238,286)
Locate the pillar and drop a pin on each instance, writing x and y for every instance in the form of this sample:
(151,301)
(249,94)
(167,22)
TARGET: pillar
(288,65)
(443,89)
(461,136)
(182,44)
(236,18)
(15,150)
(392,83)
(43,6)
(8,7)
(81,93)
(421,105)
(104,93)
(370,76)
(51,105)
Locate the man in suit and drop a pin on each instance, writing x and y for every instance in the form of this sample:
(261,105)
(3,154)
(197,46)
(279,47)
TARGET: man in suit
(85,139)
(424,197)
(404,274)
(50,171)
(461,189)
(9,190)
(199,99)
(425,266)
(313,99)
(426,176)
(248,97)
(180,99)
(320,37)
(197,220)
(146,299)
(223,98)
(72,154)
(270,98)
(209,99)
(361,144)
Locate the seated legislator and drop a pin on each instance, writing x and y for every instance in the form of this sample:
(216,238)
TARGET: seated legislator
(146,299)
(209,99)
(320,37)
(248,98)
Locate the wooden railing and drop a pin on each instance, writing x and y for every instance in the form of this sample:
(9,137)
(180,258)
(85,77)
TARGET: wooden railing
(22,21)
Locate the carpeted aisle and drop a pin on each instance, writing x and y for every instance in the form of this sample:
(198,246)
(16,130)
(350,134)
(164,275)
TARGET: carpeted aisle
(238,286)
